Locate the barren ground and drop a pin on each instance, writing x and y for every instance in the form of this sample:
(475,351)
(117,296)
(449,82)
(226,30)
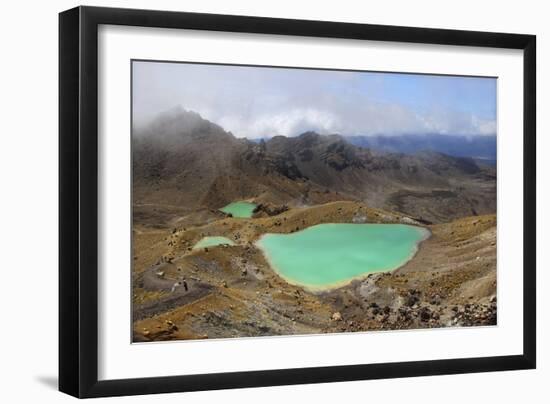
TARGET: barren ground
(232,291)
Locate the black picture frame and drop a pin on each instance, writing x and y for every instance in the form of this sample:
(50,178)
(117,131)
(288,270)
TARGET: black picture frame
(78,201)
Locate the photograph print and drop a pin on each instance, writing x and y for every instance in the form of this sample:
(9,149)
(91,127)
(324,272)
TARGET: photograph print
(273,201)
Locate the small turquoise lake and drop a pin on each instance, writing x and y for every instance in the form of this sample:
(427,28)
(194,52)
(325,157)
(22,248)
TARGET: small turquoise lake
(239,209)
(329,255)
(212,242)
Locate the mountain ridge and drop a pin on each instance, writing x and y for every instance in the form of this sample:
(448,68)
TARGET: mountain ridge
(184,159)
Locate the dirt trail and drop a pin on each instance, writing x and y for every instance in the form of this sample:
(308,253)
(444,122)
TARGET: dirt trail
(232,291)
(152,280)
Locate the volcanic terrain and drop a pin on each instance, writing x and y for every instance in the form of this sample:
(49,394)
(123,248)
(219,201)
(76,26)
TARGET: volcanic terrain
(186,168)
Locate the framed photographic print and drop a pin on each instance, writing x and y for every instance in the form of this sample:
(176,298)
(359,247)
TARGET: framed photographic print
(251,201)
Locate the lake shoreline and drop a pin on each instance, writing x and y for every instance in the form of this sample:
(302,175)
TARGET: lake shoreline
(236,292)
(337,285)
(239,209)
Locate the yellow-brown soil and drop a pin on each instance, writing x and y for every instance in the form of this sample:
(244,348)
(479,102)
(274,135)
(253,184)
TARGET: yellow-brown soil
(232,291)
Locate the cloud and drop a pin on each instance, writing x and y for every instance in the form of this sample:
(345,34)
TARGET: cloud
(263,102)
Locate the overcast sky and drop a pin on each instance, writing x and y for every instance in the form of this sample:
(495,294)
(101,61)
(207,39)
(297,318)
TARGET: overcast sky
(262,102)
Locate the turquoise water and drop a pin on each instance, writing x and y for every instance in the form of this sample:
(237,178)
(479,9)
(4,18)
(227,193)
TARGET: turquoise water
(329,255)
(213,241)
(240,209)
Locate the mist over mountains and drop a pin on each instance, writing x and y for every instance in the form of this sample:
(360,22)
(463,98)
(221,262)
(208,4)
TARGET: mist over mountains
(226,157)
(481,148)
(181,159)
(256,102)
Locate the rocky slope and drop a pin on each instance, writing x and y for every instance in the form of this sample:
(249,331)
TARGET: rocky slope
(183,163)
(232,291)
(185,168)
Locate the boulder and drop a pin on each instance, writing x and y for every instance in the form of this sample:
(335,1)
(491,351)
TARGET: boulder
(425,314)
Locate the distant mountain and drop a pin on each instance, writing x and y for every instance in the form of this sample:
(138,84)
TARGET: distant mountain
(184,160)
(481,148)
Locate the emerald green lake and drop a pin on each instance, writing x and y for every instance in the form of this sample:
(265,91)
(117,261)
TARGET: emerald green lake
(240,209)
(213,241)
(329,255)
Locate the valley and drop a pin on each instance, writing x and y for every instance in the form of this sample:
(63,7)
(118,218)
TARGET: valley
(193,182)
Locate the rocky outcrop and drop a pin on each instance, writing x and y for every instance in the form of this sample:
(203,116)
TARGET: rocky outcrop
(184,160)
